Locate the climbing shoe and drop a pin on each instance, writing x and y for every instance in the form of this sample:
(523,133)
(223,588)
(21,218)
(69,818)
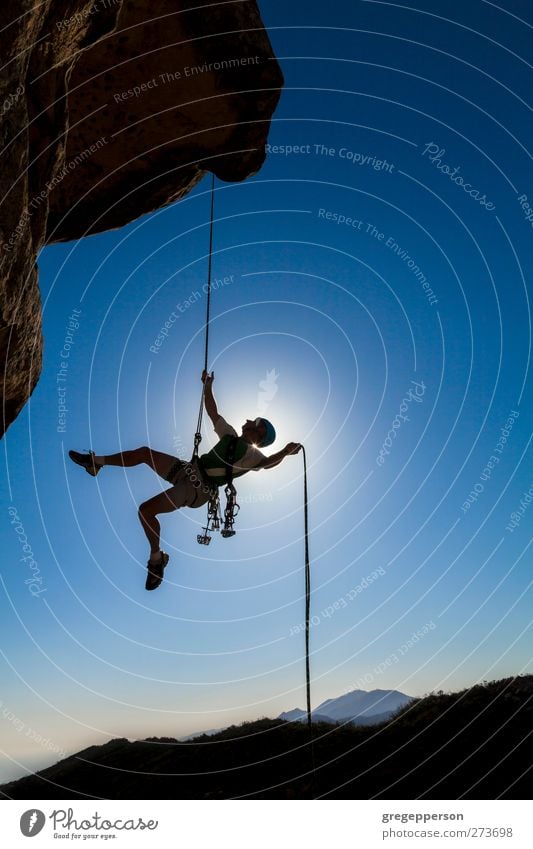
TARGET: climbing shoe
(155,572)
(86,461)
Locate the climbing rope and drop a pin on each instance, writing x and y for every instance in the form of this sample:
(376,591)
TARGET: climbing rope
(214,517)
(198,434)
(214,509)
(307,593)
(209,266)
(307,618)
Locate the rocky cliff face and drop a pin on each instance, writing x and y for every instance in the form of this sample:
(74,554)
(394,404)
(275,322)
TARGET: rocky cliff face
(111,109)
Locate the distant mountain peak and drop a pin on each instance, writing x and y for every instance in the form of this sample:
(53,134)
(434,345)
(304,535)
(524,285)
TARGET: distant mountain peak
(291,715)
(356,704)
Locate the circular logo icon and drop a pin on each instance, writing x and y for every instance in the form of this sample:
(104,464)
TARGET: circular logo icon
(32,822)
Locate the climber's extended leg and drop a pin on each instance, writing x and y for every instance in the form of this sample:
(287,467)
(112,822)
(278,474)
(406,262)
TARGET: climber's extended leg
(157,460)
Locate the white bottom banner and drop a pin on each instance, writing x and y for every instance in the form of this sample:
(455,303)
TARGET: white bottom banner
(264,824)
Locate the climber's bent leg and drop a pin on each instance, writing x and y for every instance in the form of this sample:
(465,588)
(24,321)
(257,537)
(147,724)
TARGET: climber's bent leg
(182,494)
(148,517)
(148,512)
(157,460)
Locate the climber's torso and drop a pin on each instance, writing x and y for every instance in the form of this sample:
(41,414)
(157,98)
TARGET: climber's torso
(246,458)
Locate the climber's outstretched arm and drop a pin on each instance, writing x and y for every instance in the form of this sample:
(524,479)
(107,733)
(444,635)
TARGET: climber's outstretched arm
(209,401)
(275,459)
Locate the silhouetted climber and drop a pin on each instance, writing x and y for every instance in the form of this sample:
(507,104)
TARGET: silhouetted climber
(192,481)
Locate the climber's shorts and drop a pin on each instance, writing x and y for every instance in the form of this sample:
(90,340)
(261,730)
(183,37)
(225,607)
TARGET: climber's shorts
(188,487)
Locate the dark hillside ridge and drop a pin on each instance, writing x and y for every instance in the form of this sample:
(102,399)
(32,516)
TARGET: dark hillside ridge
(475,744)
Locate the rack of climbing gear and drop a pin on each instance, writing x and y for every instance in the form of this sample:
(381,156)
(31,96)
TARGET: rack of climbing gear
(213,518)
(232,508)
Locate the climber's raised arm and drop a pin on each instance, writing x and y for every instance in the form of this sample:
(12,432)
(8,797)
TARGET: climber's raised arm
(209,401)
(276,459)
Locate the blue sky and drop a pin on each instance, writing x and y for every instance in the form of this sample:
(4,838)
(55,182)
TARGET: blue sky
(382,103)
